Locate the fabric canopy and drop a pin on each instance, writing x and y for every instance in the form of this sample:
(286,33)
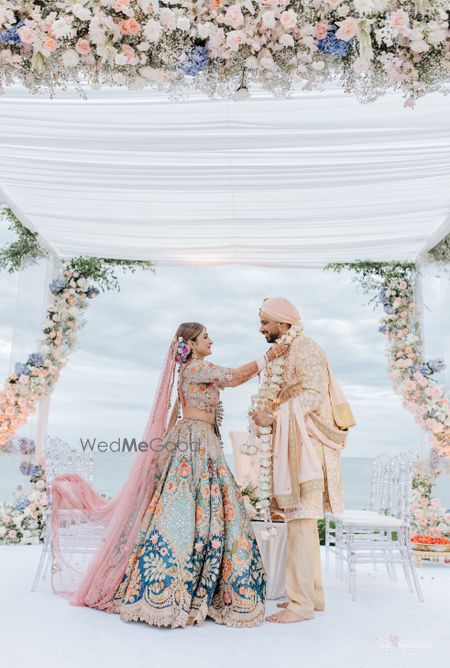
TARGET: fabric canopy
(289,182)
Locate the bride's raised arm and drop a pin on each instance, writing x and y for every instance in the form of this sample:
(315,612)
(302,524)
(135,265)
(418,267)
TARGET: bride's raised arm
(208,372)
(243,373)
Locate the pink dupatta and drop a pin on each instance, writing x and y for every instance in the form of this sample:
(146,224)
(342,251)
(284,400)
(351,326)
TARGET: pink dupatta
(309,466)
(92,579)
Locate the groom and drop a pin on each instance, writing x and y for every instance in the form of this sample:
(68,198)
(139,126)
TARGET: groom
(310,420)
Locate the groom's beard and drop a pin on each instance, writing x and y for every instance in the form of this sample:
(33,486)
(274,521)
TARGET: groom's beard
(271,338)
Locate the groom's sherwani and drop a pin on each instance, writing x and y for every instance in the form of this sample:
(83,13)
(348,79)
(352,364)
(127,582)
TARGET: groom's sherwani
(308,416)
(306,377)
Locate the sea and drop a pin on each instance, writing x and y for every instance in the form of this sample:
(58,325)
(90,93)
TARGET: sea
(111,470)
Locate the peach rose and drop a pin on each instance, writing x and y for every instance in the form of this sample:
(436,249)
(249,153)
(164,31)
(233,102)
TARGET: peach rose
(49,43)
(132,26)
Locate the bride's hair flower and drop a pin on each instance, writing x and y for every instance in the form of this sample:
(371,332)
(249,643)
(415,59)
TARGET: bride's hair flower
(182,352)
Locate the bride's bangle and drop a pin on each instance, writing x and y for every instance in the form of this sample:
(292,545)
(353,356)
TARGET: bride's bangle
(261,363)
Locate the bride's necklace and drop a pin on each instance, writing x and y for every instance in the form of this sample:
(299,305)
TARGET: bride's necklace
(260,438)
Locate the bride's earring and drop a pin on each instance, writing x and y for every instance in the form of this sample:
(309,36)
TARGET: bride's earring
(194,353)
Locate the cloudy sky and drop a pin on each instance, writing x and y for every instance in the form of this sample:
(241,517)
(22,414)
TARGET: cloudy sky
(107,388)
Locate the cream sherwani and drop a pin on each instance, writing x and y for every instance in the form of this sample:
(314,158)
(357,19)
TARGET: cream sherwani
(306,377)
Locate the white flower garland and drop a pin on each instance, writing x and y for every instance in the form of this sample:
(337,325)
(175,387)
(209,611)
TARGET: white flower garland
(369,46)
(261,437)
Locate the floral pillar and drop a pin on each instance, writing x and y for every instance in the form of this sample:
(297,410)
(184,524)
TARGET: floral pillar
(53,270)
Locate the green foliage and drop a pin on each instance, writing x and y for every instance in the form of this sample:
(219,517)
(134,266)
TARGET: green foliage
(321,528)
(250,491)
(383,270)
(102,270)
(25,247)
(371,276)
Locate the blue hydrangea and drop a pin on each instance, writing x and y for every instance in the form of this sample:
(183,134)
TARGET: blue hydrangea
(21,369)
(332,46)
(22,503)
(26,446)
(382,296)
(10,36)
(196,61)
(91,291)
(424,369)
(35,471)
(388,308)
(382,329)
(57,285)
(36,359)
(25,468)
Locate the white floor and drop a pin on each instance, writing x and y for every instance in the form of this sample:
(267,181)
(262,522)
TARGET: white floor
(385,626)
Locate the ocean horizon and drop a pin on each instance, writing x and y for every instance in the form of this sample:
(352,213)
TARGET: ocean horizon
(110,472)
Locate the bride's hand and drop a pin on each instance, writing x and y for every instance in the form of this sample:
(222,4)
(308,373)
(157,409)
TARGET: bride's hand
(276,350)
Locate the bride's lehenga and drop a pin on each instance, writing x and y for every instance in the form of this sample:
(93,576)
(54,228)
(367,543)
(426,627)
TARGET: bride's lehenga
(195,554)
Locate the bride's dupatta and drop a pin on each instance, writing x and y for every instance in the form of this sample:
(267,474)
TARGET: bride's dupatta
(88,578)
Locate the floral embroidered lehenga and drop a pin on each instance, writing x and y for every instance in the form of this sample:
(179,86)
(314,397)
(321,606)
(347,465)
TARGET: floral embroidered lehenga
(194,553)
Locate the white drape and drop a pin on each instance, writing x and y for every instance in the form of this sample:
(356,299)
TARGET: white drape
(297,182)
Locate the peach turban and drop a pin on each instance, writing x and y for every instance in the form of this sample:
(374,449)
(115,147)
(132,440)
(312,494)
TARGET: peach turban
(280,310)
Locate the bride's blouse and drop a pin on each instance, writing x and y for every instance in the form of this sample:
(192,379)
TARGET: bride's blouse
(200,384)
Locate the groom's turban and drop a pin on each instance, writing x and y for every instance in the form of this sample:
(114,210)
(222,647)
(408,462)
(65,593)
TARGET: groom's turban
(280,310)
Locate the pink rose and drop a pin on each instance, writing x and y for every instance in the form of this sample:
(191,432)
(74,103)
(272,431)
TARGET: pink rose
(288,19)
(347,29)
(399,20)
(119,5)
(321,30)
(235,39)
(234,17)
(83,47)
(333,3)
(26,35)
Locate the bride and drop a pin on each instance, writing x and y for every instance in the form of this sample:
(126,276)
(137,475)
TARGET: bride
(176,544)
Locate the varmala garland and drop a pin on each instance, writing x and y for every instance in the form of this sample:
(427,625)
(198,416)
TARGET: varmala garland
(260,438)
